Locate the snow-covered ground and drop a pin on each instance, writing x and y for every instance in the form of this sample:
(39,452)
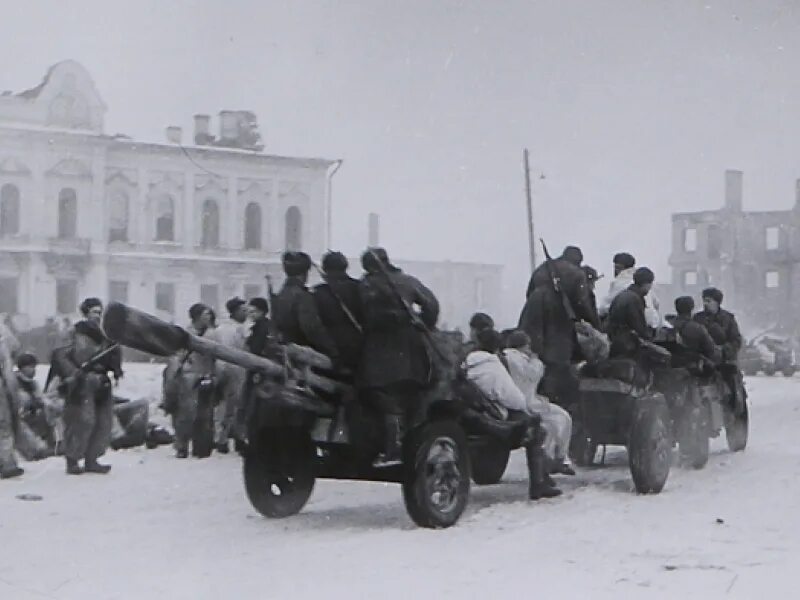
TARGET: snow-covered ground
(157,527)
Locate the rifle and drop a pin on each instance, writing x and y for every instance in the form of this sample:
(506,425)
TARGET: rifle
(556,281)
(350,316)
(270,294)
(416,320)
(74,383)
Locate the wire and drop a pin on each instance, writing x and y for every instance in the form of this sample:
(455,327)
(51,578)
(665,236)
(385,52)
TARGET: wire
(197,164)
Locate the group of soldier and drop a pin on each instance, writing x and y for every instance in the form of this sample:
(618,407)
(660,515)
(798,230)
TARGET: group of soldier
(372,329)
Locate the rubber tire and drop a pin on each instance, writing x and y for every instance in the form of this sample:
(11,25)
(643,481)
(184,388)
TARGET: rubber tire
(650,448)
(489,461)
(695,444)
(276,454)
(416,446)
(737,430)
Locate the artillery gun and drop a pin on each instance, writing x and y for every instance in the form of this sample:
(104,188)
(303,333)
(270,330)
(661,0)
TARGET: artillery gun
(304,422)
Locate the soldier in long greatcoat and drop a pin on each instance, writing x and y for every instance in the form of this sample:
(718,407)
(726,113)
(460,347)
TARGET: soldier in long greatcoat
(88,407)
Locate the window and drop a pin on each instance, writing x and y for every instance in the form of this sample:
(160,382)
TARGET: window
(690,278)
(252,227)
(9,209)
(165,297)
(66,296)
(690,239)
(8,295)
(714,241)
(118,291)
(209,226)
(294,229)
(67,214)
(773,235)
(772,280)
(252,290)
(118,217)
(209,295)
(165,219)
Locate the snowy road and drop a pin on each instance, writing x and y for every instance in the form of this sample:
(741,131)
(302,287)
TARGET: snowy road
(162,528)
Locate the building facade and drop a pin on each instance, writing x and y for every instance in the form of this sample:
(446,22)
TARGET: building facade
(752,256)
(157,225)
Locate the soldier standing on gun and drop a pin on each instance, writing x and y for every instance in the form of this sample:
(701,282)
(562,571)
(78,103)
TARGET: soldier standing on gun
(88,408)
(396,364)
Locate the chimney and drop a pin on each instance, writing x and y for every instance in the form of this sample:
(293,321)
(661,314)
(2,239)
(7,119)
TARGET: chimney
(174,134)
(228,125)
(202,125)
(733,190)
(374,230)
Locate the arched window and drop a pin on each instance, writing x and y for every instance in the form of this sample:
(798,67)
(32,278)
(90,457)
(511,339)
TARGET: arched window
(9,209)
(165,219)
(118,217)
(209,235)
(67,214)
(294,229)
(252,227)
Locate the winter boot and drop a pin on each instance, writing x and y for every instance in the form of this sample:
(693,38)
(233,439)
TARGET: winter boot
(222,448)
(73,468)
(540,487)
(181,453)
(11,472)
(92,466)
(392,442)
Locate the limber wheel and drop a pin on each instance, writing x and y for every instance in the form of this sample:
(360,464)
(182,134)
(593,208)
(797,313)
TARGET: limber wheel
(436,474)
(694,441)
(737,429)
(489,460)
(279,471)
(650,447)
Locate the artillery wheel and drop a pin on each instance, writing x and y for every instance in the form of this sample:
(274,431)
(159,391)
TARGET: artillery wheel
(489,461)
(650,448)
(737,430)
(279,471)
(437,474)
(694,442)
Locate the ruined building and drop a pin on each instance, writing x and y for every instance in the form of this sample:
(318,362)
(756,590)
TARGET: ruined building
(753,256)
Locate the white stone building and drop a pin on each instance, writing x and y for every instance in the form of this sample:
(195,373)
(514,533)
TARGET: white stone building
(160,225)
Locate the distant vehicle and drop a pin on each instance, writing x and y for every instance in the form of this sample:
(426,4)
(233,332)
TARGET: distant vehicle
(769,354)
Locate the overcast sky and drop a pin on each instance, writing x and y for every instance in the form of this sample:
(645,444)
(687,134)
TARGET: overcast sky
(631,110)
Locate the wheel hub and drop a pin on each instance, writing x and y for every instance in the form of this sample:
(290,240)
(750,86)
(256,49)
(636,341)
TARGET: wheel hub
(443,475)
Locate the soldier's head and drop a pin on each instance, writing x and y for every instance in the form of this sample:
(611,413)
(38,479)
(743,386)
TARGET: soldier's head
(200,315)
(259,308)
(490,340)
(684,306)
(334,263)
(374,260)
(519,340)
(479,322)
(92,309)
(237,309)
(644,278)
(296,264)
(622,262)
(712,300)
(573,254)
(26,363)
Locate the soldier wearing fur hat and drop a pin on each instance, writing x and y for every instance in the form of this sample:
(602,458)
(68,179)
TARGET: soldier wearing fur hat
(339,306)
(295,313)
(395,365)
(626,317)
(89,409)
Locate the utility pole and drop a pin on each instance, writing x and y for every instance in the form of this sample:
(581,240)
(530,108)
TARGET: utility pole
(529,204)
